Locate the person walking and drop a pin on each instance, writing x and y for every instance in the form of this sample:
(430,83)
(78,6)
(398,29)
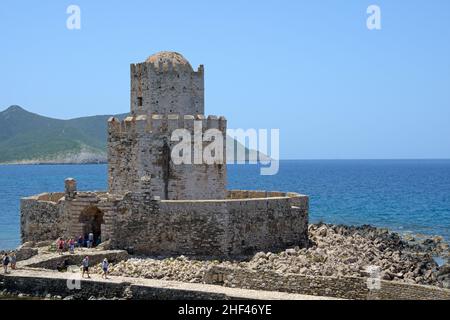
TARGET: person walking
(5,262)
(13,261)
(105,267)
(91,240)
(60,245)
(72,246)
(85,265)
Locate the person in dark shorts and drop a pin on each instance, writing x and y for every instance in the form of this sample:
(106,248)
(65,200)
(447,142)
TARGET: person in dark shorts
(60,245)
(5,262)
(85,265)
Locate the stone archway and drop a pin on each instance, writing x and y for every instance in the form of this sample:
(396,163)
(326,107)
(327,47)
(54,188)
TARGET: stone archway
(91,219)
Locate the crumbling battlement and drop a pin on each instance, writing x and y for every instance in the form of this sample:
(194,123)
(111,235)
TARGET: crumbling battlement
(164,124)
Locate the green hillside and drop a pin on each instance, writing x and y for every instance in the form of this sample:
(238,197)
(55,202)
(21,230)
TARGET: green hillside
(27,137)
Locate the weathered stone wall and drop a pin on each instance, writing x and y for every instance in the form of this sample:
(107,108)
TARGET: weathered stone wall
(340,287)
(41,286)
(41,219)
(57,285)
(209,227)
(49,216)
(402,291)
(122,155)
(166,95)
(266,224)
(113,256)
(161,228)
(165,88)
(83,201)
(199,180)
(139,157)
(147,225)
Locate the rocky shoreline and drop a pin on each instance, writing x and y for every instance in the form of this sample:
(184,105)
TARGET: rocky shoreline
(334,250)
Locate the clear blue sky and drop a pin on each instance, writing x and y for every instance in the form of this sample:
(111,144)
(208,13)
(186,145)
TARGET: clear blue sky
(311,68)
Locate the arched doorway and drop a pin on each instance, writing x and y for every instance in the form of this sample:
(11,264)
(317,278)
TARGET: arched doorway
(91,219)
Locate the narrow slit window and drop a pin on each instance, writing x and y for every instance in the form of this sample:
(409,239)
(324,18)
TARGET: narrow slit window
(139,101)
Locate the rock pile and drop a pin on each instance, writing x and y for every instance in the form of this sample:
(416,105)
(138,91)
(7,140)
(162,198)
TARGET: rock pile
(350,251)
(179,269)
(334,250)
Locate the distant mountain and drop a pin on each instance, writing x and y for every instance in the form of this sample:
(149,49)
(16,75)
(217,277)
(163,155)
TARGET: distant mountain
(29,138)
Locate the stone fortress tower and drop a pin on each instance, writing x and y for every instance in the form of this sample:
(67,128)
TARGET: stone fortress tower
(156,207)
(166,94)
(166,84)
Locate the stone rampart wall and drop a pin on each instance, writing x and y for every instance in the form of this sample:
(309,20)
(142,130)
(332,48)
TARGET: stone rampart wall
(144,224)
(229,227)
(40,219)
(339,287)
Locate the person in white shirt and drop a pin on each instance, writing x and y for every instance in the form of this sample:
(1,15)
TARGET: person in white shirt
(105,267)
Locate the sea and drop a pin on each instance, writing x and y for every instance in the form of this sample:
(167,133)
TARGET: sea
(405,196)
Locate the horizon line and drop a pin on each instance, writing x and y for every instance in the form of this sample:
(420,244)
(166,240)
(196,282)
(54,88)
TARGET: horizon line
(362,159)
(234,163)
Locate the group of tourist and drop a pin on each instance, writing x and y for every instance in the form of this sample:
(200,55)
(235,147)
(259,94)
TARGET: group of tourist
(61,245)
(70,244)
(64,245)
(85,263)
(85,267)
(88,242)
(9,260)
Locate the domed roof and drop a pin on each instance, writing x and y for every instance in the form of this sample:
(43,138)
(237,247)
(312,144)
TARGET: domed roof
(164,57)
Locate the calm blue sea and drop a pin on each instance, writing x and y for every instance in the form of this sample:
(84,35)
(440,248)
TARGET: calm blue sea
(403,195)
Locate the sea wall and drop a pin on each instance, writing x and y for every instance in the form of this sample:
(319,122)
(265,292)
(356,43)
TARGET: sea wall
(39,286)
(339,287)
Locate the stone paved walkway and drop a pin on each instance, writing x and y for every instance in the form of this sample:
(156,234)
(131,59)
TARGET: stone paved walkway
(25,271)
(206,288)
(44,256)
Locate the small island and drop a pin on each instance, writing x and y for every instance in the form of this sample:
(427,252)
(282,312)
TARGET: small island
(172,231)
